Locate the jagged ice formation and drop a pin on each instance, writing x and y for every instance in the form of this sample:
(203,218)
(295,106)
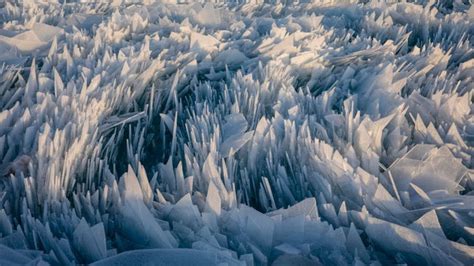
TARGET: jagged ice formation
(332,132)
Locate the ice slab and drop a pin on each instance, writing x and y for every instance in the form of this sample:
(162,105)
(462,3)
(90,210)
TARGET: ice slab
(429,168)
(33,41)
(168,257)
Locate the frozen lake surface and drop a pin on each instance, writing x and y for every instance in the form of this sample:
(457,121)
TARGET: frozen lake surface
(161,133)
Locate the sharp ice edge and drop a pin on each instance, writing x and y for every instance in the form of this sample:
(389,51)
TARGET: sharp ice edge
(331,132)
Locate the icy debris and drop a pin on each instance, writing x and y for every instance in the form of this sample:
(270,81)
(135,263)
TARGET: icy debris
(213,199)
(84,21)
(34,41)
(330,132)
(10,256)
(90,241)
(429,168)
(356,246)
(136,223)
(203,44)
(209,16)
(169,257)
(234,134)
(20,165)
(428,222)
(258,228)
(306,208)
(470,12)
(409,243)
(230,57)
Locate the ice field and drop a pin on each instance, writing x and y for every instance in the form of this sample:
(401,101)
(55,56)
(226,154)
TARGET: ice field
(236,133)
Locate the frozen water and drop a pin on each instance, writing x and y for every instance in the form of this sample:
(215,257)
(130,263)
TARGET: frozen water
(236,133)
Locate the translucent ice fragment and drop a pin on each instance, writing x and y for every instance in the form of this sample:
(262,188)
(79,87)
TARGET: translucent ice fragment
(90,242)
(429,168)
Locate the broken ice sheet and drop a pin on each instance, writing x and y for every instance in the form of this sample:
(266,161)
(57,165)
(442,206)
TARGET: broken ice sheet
(137,224)
(203,44)
(429,168)
(10,256)
(410,243)
(169,257)
(209,15)
(234,135)
(259,227)
(307,208)
(33,41)
(10,56)
(231,57)
(324,130)
(90,241)
(84,21)
(429,222)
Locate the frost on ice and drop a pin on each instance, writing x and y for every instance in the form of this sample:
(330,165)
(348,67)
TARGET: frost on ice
(178,133)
